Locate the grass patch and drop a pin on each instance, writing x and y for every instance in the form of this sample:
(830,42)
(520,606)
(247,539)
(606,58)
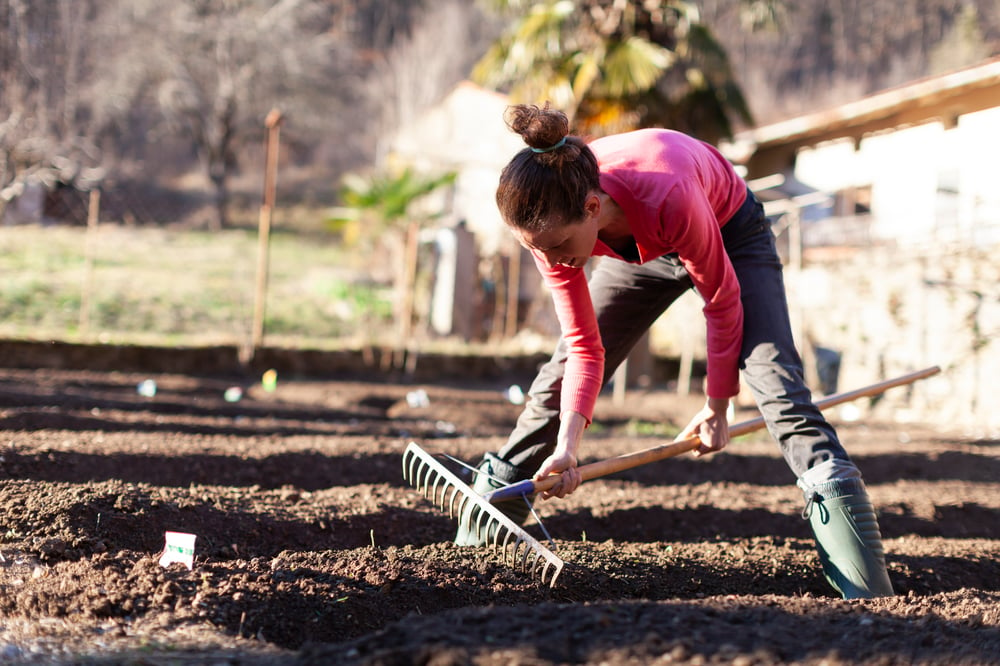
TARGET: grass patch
(155,285)
(640,428)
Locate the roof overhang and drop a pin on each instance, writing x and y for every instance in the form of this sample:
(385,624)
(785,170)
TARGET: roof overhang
(941,98)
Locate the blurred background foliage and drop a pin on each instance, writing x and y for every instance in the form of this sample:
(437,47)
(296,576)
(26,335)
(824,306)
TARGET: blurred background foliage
(619,66)
(160,107)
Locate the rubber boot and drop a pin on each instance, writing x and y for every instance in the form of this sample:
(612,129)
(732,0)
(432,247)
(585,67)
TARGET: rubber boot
(848,539)
(494,473)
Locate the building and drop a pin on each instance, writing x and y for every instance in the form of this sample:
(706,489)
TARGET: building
(893,265)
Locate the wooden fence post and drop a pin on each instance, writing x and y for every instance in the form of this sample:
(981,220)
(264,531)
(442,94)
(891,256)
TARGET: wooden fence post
(93,217)
(272,123)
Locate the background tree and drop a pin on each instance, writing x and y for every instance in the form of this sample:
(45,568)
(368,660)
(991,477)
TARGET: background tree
(423,63)
(963,45)
(48,132)
(828,52)
(216,67)
(136,92)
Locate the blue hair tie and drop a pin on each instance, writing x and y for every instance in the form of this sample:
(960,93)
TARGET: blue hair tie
(554,146)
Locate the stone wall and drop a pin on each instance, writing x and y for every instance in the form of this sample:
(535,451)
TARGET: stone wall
(890,310)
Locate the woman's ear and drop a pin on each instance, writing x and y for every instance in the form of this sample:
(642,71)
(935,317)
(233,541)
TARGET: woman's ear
(592,205)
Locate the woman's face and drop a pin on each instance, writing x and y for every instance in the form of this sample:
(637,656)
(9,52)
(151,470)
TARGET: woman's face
(569,244)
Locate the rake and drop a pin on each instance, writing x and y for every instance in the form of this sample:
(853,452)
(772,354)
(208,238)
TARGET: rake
(444,488)
(425,472)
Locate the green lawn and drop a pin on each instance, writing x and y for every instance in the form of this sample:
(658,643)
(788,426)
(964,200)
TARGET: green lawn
(177,287)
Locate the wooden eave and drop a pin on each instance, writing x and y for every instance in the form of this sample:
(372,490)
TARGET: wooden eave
(939,98)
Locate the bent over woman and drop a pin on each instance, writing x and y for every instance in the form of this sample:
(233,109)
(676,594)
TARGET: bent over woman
(666,212)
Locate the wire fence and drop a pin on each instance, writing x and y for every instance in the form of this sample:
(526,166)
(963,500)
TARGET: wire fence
(123,273)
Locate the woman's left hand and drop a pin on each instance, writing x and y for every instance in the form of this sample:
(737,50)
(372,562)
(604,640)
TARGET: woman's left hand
(563,459)
(710,425)
(564,464)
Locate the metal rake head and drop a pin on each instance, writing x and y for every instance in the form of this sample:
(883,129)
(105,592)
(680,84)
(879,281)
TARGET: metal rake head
(442,487)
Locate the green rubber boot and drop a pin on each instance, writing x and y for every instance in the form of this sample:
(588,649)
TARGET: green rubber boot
(848,539)
(498,474)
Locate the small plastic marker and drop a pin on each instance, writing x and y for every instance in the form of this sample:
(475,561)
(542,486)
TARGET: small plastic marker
(179,547)
(515,395)
(417,399)
(269,380)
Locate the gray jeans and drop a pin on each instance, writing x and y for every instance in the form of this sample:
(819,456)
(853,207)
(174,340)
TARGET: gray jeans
(628,298)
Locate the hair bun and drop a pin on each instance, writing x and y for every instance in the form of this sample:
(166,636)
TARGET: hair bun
(542,128)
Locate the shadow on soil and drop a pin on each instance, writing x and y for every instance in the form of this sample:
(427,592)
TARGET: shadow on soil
(574,634)
(308,471)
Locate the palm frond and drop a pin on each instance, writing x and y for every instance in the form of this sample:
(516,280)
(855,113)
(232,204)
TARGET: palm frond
(633,66)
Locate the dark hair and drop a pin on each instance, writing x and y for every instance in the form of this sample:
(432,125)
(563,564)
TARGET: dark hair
(545,185)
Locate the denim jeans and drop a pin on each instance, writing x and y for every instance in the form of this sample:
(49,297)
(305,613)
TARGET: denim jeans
(628,298)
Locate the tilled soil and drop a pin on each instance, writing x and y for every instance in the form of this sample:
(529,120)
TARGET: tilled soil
(312,549)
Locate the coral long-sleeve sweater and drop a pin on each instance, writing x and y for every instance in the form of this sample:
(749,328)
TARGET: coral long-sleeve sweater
(677,193)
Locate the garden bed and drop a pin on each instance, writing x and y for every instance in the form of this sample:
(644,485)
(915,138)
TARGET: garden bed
(311,549)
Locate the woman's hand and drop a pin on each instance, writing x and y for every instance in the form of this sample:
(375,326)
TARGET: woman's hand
(563,460)
(563,464)
(710,425)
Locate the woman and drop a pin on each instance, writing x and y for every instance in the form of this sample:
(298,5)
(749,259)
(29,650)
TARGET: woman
(666,212)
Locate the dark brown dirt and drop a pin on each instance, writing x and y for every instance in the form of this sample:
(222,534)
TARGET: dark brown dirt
(311,549)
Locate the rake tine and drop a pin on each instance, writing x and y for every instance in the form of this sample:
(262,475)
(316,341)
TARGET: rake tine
(407,463)
(451,500)
(438,481)
(463,500)
(420,476)
(517,558)
(552,580)
(482,522)
(407,459)
(416,465)
(542,567)
(518,545)
(506,539)
(545,570)
(431,485)
(508,547)
(437,489)
(465,521)
(523,560)
(498,534)
(532,560)
(508,555)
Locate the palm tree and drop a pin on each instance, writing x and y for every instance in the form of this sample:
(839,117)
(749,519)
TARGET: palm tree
(381,203)
(616,65)
(381,209)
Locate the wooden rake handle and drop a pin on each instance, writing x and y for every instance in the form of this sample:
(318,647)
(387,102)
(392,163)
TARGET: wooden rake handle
(677,447)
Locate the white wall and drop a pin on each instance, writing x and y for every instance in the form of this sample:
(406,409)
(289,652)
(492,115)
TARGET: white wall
(928,293)
(929,184)
(979,169)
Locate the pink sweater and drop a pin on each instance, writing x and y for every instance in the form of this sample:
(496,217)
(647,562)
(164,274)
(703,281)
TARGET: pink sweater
(677,193)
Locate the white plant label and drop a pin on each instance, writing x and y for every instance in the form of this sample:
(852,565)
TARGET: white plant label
(179,548)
